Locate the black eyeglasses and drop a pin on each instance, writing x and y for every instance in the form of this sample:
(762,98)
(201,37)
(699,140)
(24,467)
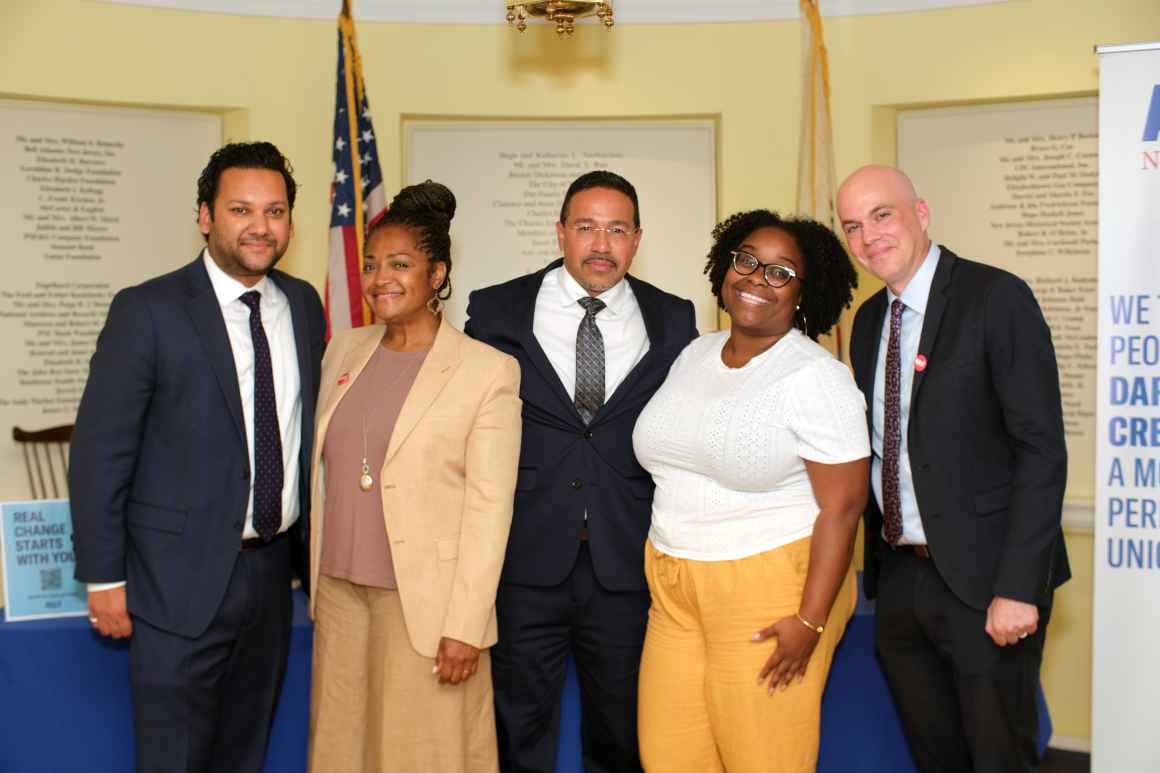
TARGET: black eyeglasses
(775,274)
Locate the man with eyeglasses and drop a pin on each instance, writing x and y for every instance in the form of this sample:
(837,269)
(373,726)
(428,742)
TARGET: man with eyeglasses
(594,344)
(964,547)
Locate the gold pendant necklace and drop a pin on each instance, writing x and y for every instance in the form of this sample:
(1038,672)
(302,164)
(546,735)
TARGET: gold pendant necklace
(366,481)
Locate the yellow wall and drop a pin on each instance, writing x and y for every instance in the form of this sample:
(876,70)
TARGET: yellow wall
(274,79)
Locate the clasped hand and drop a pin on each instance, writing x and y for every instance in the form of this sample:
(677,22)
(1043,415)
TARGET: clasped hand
(109,612)
(455,662)
(1009,620)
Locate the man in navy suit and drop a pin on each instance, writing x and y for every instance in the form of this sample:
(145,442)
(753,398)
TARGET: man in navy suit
(964,547)
(594,344)
(189,472)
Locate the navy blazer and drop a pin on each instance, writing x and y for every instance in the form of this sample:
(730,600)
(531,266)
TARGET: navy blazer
(985,438)
(159,470)
(567,467)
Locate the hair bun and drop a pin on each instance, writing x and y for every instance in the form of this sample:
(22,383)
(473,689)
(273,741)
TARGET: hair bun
(427,197)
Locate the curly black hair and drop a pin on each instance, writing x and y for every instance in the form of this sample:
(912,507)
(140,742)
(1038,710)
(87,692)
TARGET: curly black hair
(243,155)
(830,278)
(426,208)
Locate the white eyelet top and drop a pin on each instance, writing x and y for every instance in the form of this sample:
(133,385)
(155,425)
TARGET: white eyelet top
(726,446)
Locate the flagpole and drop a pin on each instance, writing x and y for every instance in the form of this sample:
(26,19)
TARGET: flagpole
(353,74)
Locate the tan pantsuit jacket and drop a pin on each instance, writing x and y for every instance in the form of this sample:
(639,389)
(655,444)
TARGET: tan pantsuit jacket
(447,483)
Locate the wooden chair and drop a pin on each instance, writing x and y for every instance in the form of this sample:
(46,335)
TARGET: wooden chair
(46,460)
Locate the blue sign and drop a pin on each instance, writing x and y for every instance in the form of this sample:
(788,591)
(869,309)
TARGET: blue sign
(39,561)
(1152,123)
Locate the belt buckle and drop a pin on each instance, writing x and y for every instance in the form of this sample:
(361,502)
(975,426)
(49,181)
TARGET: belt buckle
(921,551)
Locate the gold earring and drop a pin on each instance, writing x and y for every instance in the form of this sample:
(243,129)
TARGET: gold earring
(434,305)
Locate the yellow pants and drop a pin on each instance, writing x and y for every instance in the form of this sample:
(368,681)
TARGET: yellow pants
(375,706)
(701,709)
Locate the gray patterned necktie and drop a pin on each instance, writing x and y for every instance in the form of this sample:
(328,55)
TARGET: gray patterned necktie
(589,361)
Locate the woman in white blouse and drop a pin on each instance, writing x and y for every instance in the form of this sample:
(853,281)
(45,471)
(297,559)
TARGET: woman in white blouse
(758,445)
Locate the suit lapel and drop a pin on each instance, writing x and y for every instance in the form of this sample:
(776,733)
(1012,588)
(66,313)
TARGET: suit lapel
(871,333)
(655,330)
(936,305)
(302,339)
(207,318)
(354,361)
(535,352)
(434,373)
(302,345)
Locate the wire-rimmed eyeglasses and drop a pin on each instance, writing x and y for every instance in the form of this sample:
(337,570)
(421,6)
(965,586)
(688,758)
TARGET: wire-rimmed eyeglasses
(615,232)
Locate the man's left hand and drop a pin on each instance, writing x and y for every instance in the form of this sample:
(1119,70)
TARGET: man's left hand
(455,662)
(1009,620)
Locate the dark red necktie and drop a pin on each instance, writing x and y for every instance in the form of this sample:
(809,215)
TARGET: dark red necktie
(267,439)
(892,429)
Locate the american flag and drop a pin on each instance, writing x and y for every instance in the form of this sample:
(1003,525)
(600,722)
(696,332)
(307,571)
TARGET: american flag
(357,198)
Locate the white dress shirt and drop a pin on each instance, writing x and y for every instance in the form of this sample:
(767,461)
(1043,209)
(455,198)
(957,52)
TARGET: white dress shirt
(557,318)
(914,297)
(279,327)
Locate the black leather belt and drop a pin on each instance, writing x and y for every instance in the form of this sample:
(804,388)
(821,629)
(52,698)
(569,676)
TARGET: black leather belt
(922,551)
(257,543)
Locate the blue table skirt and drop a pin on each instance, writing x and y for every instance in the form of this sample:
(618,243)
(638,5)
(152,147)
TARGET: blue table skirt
(65,704)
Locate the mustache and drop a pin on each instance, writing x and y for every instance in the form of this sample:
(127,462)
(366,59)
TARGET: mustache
(606,258)
(258,240)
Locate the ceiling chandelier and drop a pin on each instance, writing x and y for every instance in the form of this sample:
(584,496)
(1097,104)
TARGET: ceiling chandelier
(562,12)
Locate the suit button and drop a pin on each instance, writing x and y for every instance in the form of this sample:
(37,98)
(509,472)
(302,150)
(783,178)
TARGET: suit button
(577,483)
(587,434)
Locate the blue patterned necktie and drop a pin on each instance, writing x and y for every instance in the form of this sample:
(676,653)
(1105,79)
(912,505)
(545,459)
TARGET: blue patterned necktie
(267,439)
(589,361)
(892,429)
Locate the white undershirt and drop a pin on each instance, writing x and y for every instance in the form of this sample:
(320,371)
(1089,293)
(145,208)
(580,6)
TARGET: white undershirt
(726,446)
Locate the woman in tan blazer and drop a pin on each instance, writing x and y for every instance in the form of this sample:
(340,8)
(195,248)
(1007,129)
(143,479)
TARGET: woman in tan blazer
(417,442)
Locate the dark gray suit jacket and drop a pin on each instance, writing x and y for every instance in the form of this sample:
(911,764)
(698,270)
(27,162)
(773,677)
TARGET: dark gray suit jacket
(159,470)
(986,440)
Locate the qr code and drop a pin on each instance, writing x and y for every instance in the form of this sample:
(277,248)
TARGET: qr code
(50,579)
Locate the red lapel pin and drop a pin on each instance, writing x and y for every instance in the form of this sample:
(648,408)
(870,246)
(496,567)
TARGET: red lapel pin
(345,377)
(919,363)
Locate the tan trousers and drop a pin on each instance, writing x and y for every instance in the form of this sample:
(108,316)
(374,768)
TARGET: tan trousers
(701,709)
(375,706)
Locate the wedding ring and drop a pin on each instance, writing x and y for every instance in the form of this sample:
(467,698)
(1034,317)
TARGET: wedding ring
(93,620)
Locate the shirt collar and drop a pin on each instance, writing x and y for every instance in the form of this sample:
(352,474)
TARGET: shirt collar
(225,287)
(614,297)
(917,290)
